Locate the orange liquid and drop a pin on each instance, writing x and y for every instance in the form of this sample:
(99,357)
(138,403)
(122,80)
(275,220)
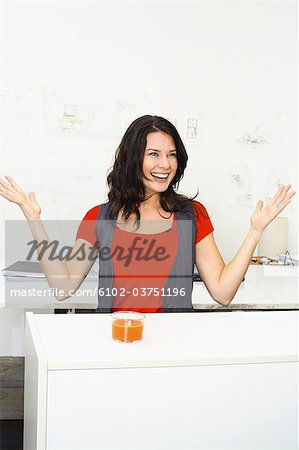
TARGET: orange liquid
(127,330)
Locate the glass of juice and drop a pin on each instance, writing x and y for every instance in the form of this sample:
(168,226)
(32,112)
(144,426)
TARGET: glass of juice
(127,326)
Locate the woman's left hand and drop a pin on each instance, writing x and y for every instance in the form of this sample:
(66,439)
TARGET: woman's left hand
(261,217)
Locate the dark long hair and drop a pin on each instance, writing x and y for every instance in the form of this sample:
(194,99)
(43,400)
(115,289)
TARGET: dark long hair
(125,180)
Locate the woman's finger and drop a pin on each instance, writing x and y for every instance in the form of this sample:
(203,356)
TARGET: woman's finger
(281,195)
(8,194)
(32,197)
(278,192)
(5,185)
(13,183)
(3,189)
(291,194)
(284,193)
(283,202)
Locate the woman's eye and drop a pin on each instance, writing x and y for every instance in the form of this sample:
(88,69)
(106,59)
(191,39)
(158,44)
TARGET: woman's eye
(172,155)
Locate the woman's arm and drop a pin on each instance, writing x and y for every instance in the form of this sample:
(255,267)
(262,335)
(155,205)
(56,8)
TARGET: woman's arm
(64,275)
(223,280)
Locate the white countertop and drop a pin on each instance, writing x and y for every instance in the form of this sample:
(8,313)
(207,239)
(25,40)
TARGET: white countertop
(83,341)
(258,291)
(262,289)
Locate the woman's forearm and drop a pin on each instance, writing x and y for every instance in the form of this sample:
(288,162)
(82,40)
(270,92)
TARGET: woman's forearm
(232,274)
(56,271)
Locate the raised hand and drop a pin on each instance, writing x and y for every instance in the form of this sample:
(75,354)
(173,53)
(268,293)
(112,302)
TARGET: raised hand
(261,217)
(12,192)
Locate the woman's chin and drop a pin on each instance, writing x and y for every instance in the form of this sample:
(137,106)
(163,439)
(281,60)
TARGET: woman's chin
(158,188)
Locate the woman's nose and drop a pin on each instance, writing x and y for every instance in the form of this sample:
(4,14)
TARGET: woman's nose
(163,162)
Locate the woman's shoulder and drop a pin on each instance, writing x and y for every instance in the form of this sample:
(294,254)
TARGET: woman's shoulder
(87,229)
(202,219)
(199,207)
(92,213)
(200,211)
(189,206)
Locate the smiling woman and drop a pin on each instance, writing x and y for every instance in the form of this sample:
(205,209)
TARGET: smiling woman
(149,164)
(144,206)
(147,236)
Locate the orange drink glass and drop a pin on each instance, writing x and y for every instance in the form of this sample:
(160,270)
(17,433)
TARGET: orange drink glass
(127,326)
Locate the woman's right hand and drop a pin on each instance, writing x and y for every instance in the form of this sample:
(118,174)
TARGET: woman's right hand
(13,193)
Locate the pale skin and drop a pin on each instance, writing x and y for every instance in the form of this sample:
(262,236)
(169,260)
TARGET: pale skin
(222,280)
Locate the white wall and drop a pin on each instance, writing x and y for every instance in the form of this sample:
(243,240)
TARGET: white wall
(229,65)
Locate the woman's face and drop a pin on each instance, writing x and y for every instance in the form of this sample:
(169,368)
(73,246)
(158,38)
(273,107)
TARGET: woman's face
(159,162)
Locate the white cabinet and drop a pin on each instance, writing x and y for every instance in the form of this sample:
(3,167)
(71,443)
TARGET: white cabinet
(196,381)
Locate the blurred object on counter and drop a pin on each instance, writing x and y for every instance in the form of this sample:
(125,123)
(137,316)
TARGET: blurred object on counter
(274,238)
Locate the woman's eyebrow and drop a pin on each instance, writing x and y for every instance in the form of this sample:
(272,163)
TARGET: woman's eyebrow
(156,150)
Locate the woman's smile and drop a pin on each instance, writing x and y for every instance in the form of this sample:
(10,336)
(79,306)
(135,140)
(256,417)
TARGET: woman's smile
(160,177)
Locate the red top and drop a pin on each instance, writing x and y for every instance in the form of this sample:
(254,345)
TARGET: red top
(139,280)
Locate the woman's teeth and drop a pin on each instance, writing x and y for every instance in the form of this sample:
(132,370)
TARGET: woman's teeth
(161,176)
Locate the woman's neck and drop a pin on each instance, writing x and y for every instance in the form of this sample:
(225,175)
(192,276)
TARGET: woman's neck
(152,203)
(149,209)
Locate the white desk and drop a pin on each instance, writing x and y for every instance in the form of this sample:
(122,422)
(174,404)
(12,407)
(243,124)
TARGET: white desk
(258,291)
(196,381)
